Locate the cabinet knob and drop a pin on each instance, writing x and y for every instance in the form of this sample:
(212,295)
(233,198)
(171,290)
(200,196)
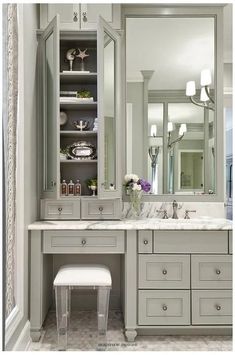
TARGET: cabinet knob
(218,272)
(83,242)
(84,17)
(146,242)
(164,307)
(218,307)
(101,209)
(164,271)
(60,209)
(75,17)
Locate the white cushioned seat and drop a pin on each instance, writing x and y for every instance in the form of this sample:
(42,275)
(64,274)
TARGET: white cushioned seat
(83,275)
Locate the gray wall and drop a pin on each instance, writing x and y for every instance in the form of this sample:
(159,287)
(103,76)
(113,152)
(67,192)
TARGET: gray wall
(30,24)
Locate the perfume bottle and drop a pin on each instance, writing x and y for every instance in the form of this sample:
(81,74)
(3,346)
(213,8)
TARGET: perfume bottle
(71,188)
(77,188)
(63,188)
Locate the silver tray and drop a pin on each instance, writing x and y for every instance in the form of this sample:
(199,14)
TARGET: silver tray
(81,150)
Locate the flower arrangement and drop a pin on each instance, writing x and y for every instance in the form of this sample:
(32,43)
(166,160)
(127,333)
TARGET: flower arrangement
(135,188)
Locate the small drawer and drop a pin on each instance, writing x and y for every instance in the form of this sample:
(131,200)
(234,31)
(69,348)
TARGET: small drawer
(60,209)
(159,307)
(145,241)
(203,242)
(211,271)
(164,271)
(211,307)
(93,208)
(76,242)
(230,242)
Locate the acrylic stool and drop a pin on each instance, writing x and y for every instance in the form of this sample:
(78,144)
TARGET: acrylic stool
(80,276)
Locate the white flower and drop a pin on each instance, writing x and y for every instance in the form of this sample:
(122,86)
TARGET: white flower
(136,187)
(130,177)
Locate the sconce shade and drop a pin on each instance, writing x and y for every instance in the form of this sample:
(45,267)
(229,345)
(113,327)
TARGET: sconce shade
(205,77)
(153,130)
(203,95)
(170,127)
(190,88)
(183,129)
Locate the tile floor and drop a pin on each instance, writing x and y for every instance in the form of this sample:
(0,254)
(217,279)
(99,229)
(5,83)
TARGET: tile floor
(83,336)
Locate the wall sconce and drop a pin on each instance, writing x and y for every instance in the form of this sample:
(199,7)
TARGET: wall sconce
(205,97)
(153,130)
(182,130)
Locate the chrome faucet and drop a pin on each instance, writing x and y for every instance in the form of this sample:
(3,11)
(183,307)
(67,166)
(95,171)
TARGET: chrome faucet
(175,207)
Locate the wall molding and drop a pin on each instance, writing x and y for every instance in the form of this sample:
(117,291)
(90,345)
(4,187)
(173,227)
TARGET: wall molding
(23,342)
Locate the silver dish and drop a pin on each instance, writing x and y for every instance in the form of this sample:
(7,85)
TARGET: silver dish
(82,150)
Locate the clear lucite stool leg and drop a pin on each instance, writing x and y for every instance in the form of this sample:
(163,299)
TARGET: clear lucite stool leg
(62,311)
(103,309)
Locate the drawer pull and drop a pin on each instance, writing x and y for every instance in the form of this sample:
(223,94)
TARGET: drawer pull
(75,17)
(60,209)
(164,307)
(83,242)
(218,307)
(84,17)
(218,272)
(101,209)
(146,242)
(164,271)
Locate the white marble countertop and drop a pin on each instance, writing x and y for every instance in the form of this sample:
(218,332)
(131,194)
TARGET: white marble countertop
(203,223)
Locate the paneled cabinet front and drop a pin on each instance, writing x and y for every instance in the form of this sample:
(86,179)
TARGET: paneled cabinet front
(80,16)
(80,110)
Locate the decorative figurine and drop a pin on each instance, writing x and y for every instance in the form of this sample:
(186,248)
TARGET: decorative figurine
(80,125)
(70,56)
(82,55)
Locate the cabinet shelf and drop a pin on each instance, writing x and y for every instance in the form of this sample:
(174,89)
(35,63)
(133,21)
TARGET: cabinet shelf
(73,161)
(78,106)
(78,78)
(78,133)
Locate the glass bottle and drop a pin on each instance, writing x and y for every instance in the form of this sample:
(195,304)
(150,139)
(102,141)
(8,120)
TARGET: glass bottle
(77,189)
(63,188)
(71,188)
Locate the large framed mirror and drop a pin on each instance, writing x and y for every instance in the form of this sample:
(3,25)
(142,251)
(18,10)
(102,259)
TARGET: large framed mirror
(172,100)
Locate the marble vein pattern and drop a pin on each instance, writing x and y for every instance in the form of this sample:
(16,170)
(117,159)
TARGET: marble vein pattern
(137,224)
(83,336)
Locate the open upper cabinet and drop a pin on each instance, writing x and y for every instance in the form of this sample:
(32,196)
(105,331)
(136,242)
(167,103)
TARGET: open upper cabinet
(79,85)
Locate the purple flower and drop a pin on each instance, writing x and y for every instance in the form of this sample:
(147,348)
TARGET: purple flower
(145,185)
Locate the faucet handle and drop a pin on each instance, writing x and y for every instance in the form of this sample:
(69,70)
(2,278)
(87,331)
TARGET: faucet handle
(165,216)
(187,213)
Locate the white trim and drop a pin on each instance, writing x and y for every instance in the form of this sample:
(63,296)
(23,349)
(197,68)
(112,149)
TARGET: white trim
(17,314)
(23,342)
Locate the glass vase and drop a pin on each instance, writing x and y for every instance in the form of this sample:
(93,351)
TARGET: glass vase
(135,202)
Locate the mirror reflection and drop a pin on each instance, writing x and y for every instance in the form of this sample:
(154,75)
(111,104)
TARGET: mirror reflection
(170,103)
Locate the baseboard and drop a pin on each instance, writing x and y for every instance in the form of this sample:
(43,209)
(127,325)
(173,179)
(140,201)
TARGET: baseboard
(24,340)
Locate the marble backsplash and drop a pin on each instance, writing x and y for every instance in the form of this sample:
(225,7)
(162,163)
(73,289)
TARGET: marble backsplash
(203,209)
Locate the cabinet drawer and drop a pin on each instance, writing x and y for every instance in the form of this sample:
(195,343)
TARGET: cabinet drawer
(100,242)
(101,209)
(58,209)
(164,271)
(203,242)
(211,307)
(230,241)
(211,271)
(145,241)
(158,307)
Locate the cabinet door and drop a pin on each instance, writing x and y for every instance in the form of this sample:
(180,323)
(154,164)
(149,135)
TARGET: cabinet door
(69,15)
(49,47)
(109,12)
(109,105)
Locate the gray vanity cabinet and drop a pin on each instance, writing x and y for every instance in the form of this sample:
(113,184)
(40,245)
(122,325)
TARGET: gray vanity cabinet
(102,79)
(78,16)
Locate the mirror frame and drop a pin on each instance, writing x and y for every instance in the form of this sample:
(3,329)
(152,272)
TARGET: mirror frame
(216,12)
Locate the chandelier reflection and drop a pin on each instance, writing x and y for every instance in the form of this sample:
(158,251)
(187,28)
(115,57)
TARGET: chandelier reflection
(170,128)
